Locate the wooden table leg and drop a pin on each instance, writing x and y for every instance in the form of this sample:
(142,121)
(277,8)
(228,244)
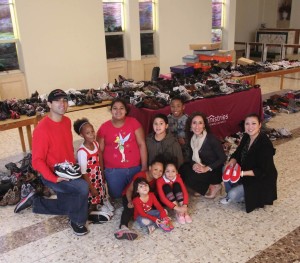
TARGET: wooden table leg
(281,82)
(29,136)
(22,138)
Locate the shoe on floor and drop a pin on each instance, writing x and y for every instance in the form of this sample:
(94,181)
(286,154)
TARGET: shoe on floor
(187,218)
(25,202)
(151,229)
(108,204)
(180,218)
(214,191)
(98,217)
(104,208)
(225,201)
(125,233)
(79,230)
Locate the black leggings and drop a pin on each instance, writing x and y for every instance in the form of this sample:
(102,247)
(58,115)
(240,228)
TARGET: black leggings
(200,182)
(173,193)
(127,213)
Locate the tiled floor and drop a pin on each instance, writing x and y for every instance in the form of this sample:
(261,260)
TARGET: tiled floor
(218,233)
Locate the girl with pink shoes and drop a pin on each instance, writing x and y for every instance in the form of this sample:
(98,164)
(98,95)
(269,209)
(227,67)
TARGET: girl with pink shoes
(173,193)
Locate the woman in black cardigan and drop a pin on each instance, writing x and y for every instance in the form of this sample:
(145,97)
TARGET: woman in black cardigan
(258,182)
(203,171)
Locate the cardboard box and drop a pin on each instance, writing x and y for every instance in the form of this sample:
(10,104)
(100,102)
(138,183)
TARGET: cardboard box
(245,61)
(206,46)
(182,69)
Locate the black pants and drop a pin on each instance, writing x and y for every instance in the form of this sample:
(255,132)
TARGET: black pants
(127,213)
(200,182)
(173,193)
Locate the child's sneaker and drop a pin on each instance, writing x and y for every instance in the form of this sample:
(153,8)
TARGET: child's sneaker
(125,233)
(165,224)
(151,229)
(105,209)
(227,173)
(180,218)
(225,201)
(108,204)
(236,174)
(187,218)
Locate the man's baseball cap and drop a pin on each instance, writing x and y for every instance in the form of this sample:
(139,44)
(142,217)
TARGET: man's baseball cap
(57,94)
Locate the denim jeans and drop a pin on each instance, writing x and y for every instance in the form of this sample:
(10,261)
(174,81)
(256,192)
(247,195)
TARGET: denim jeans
(144,221)
(118,178)
(235,192)
(72,200)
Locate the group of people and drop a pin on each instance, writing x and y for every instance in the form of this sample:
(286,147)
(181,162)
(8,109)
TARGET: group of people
(147,173)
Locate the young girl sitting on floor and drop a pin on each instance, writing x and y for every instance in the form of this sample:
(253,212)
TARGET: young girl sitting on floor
(172,192)
(88,159)
(144,214)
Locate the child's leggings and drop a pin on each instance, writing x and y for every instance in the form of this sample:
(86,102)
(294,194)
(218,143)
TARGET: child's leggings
(173,193)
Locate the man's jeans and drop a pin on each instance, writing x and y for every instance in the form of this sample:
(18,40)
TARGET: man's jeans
(72,200)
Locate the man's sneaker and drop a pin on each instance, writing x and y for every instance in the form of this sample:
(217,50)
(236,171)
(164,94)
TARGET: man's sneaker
(108,204)
(125,233)
(165,224)
(98,217)
(79,230)
(67,170)
(105,209)
(236,174)
(227,173)
(25,202)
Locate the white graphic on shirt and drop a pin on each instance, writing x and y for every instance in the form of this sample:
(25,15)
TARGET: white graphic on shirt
(120,141)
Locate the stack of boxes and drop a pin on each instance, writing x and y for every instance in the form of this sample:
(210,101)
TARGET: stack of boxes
(204,56)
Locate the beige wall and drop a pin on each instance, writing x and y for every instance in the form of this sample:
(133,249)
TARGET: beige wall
(181,23)
(62,44)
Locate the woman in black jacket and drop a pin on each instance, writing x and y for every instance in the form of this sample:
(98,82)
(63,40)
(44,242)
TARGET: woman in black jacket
(203,171)
(258,181)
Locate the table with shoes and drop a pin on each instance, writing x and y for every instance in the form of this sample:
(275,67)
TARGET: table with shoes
(224,112)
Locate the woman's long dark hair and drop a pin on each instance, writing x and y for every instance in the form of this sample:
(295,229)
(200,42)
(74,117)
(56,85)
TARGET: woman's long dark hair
(188,124)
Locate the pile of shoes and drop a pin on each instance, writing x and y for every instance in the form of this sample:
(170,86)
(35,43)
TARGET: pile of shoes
(20,181)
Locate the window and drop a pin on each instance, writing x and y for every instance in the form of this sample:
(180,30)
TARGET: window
(8,37)
(217,20)
(114,28)
(146,9)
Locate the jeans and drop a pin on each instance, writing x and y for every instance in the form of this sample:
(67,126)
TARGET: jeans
(235,192)
(72,200)
(118,178)
(144,222)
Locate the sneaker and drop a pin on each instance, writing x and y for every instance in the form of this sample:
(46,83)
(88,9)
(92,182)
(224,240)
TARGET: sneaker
(79,230)
(25,202)
(227,173)
(6,198)
(151,229)
(165,224)
(236,174)
(67,170)
(26,189)
(180,218)
(98,217)
(225,201)
(15,196)
(187,218)
(108,204)
(125,233)
(105,209)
